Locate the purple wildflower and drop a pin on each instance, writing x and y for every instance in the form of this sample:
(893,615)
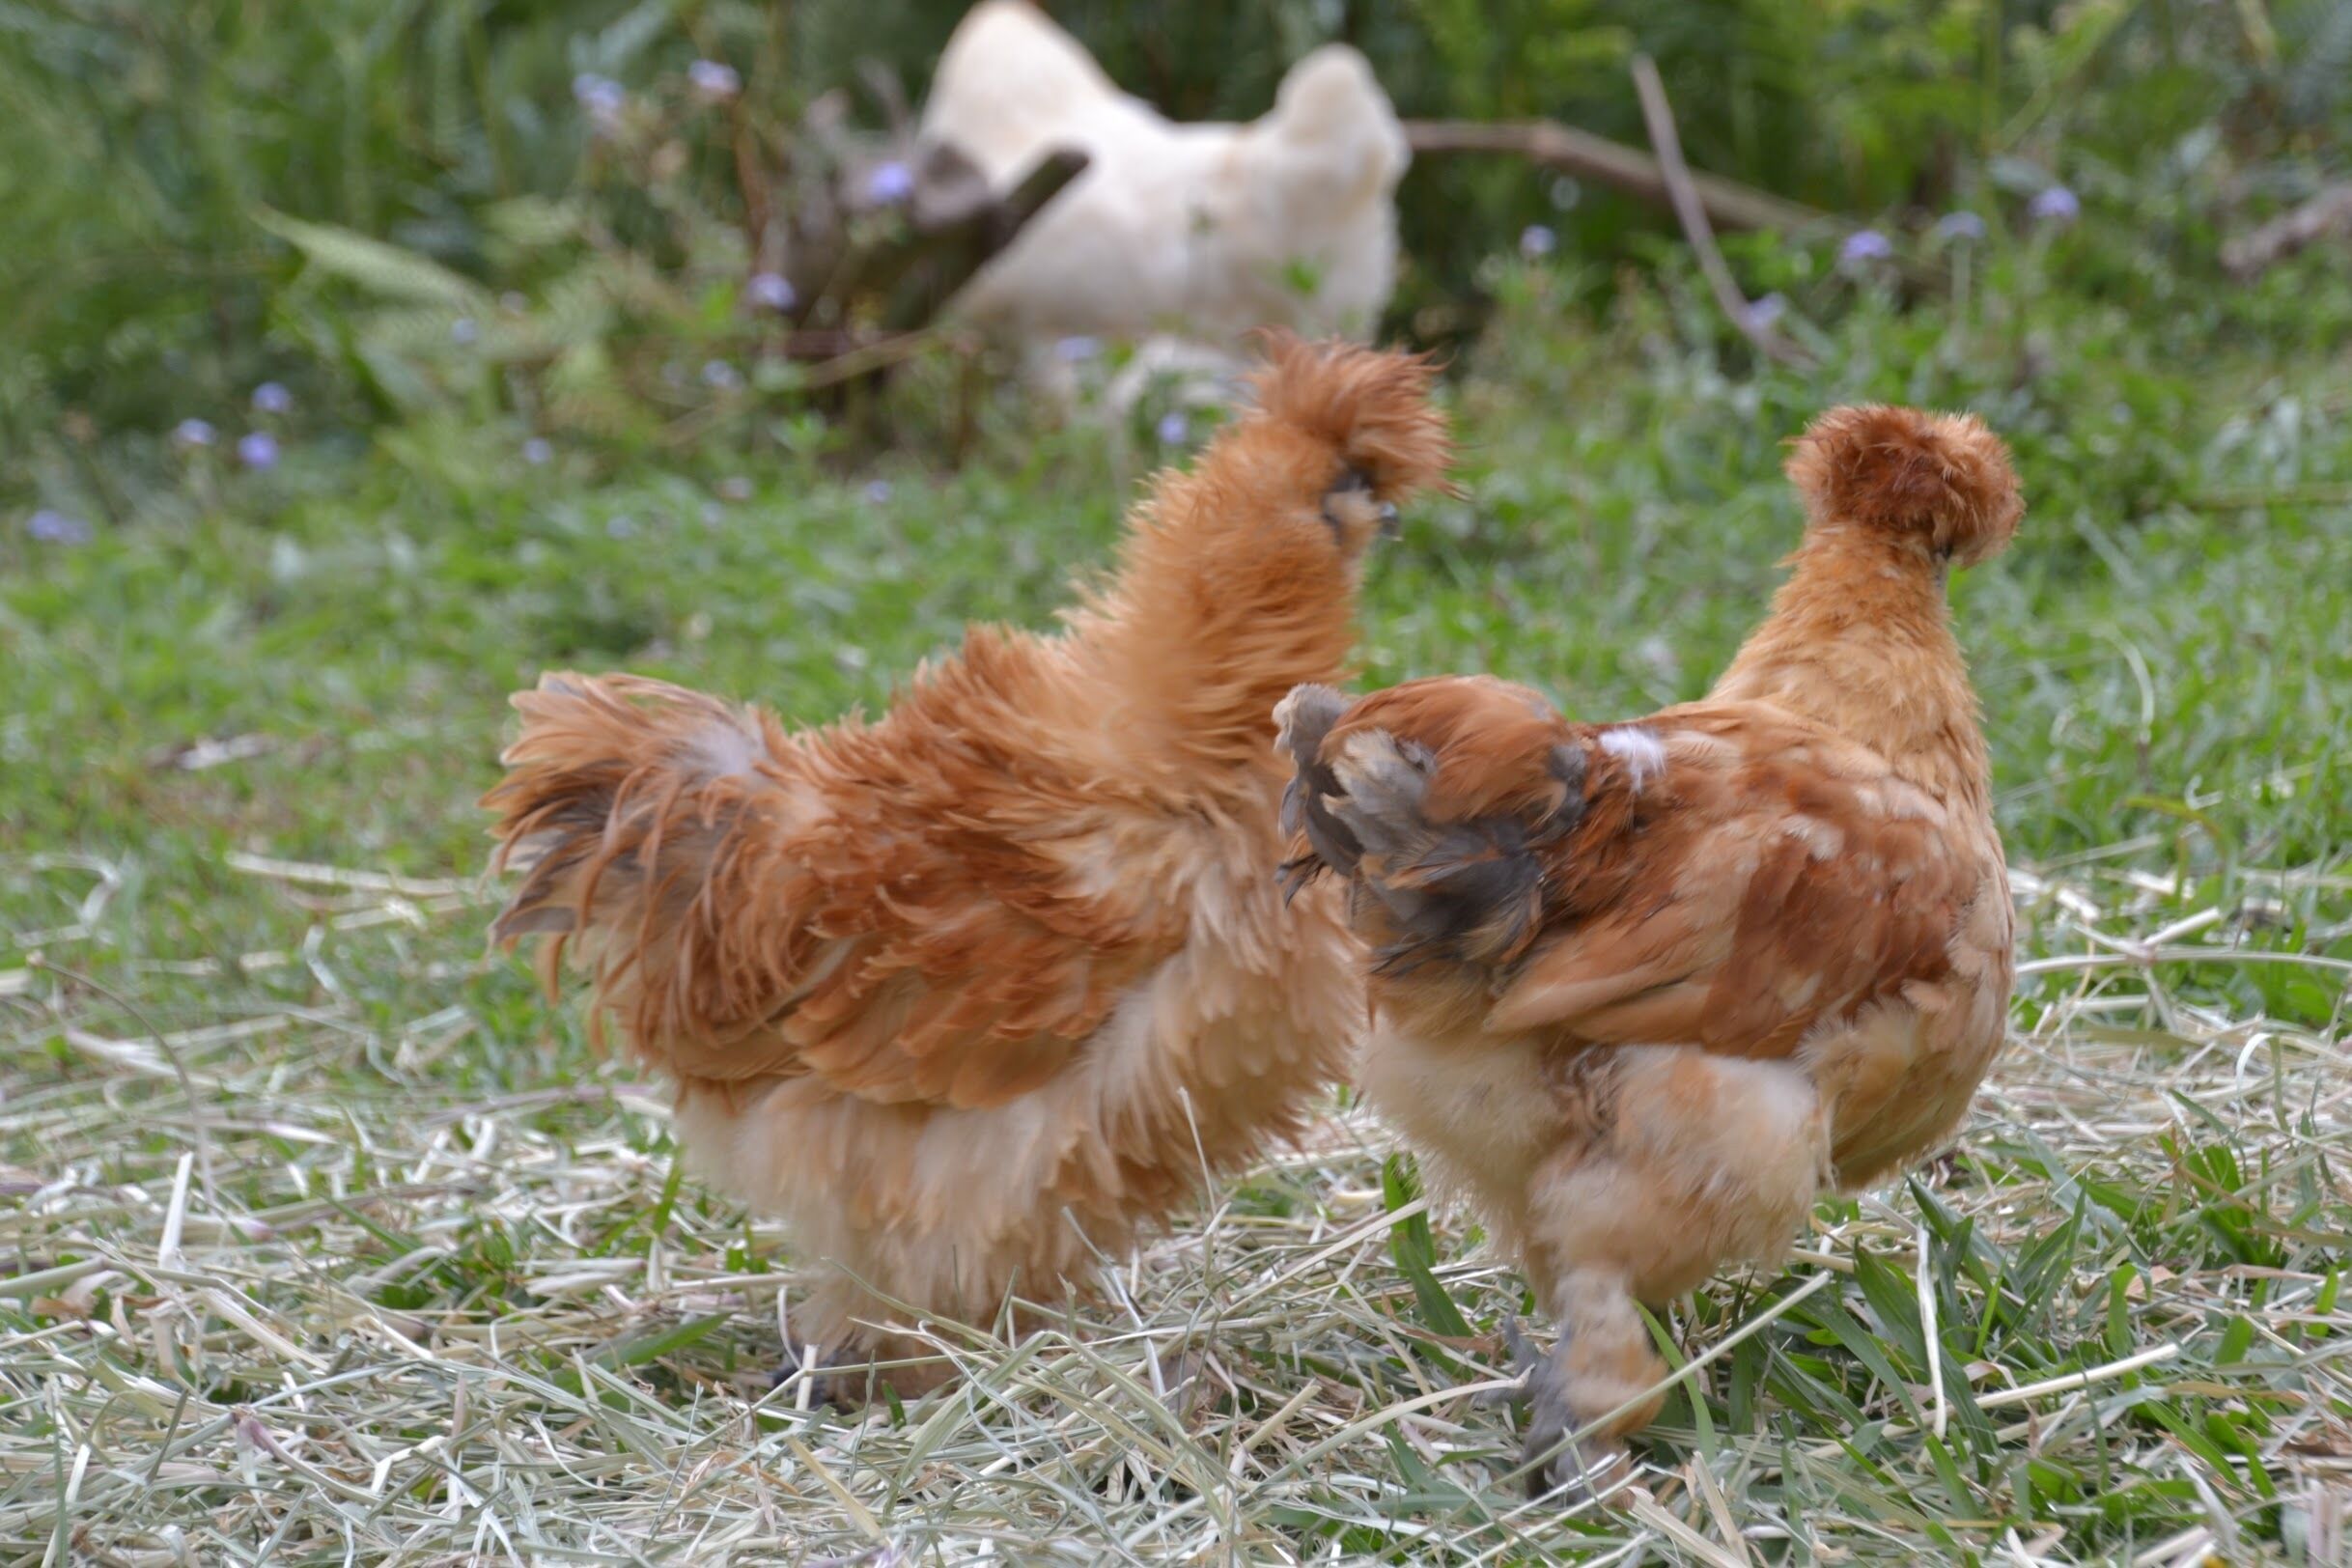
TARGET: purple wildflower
(1076,349)
(602,99)
(1863,246)
(878,490)
(771,290)
(465,333)
(1955,227)
(537,452)
(721,376)
(622,526)
(714,81)
(54,528)
(2057,205)
(270,397)
(1173,428)
(192,433)
(258,450)
(890,183)
(1764,311)
(1536,242)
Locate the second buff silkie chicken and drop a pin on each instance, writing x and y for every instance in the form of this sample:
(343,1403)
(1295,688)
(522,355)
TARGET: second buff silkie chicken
(1643,991)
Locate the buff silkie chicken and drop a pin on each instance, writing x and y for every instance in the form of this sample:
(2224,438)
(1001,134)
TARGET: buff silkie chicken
(1641,992)
(968,994)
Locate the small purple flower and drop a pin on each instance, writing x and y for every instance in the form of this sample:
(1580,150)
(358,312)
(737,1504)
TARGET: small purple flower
(721,376)
(465,333)
(537,452)
(890,183)
(878,490)
(1072,351)
(1863,246)
(601,98)
(1172,430)
(1763,312)
(2057,205)
(191,433)
(1536,242)
(714,81)
(258,450)
(1953,228)
(54,528)
(270,398)
(622,526)
(771,290)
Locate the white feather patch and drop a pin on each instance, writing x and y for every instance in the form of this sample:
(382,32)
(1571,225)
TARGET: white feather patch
(723,751)
(1643,754)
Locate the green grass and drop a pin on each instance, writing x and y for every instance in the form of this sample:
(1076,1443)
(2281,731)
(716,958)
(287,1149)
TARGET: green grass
(434,1286)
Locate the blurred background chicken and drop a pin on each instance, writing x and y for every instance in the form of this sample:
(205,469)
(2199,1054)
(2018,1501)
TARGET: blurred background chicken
(1203,231)
(1642,991)
(967,994)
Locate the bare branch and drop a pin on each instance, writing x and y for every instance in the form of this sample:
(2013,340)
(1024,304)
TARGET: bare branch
(1728,204)
(1692,215)
(2324,216)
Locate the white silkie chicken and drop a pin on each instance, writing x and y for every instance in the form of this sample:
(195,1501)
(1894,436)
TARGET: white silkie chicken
(1200,231)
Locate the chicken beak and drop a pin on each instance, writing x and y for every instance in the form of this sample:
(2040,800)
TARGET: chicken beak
(1357,484)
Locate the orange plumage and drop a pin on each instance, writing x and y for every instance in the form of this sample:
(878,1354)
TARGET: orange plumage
(1642,991)
(966,991)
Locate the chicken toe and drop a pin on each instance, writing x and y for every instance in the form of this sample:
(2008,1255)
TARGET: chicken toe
(1571,1470)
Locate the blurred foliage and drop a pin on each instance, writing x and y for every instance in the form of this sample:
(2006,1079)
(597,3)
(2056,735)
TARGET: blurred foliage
(400,204)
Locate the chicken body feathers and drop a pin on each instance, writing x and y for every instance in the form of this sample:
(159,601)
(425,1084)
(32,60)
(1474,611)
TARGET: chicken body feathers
(1720,874)
(896,917)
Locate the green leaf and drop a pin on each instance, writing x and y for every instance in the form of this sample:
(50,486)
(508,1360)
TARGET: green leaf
(1864,1346)
(2119,1311)
(1416,1250)
(374,265)
(654,1346)
(1702,1422)
(1947,1471)
(1894,1302)
(660,1222)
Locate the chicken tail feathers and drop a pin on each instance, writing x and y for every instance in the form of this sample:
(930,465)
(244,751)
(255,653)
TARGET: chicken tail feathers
(631,807)
(1431,883)
(1466,891)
